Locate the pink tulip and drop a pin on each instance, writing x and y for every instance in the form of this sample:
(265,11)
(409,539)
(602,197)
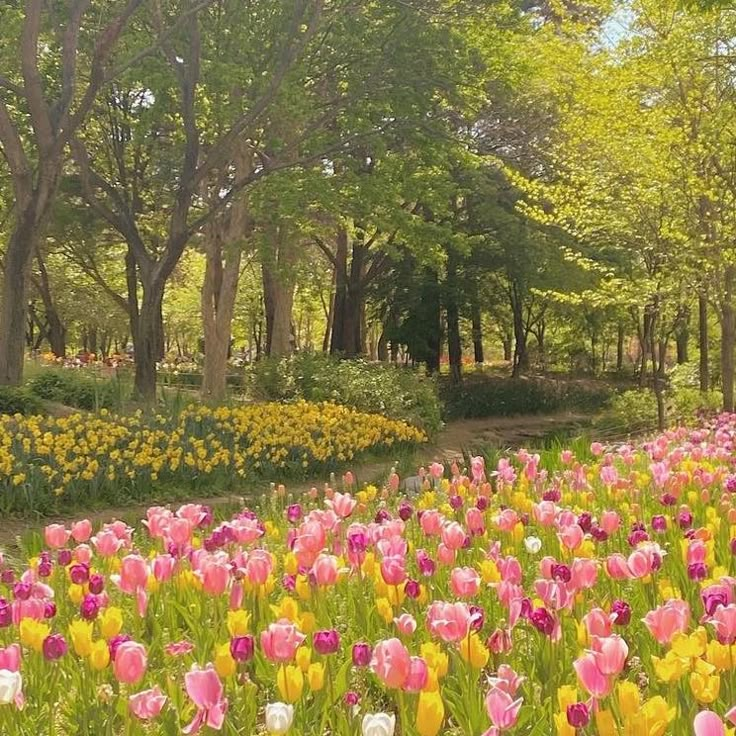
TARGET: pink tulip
(610,653)
(246,529)
(667,620)
(10,658)
(598,623)
(545,512)
(431,523)
(205,689)
(195,513)
(449,621)
(259,566)
(445,555)
(106,543)
(610,522)
(309,542)
(724,620)
(163,567)
(281,640)
(214,572)
(82,553)
(731,715)
(453,536)
(56,535)
(393,569)
(130,662)
(584,574)
(707,723)
(506,679)
(325,570)
(507,520)
(590,677)
(478,469)
(418,674)
(391,663)
(617,567)
(406,624)
(474,521)
(502,709)
(133,574)
(81,530)
(571,536)
(179,531)
(343,504)
(465,582)
(147,704)
(157,520)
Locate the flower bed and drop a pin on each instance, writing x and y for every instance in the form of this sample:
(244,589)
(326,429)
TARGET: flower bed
(85,458)
(592,599)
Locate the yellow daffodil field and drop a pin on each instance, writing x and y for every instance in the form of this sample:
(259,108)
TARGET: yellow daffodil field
(575,595)
(84,458)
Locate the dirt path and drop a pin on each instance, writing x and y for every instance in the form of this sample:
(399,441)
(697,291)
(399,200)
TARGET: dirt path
(448,445)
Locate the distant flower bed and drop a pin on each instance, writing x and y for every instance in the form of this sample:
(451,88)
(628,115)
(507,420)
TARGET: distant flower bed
(590,598)
(84,457)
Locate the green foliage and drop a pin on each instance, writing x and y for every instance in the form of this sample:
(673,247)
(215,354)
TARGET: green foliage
(15,400)
(79,390)
(636,410)
(398,392)
(488,396)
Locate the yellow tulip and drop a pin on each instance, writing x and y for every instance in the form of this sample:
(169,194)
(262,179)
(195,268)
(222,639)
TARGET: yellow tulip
(111,622)
(435,658)
(316,676)
(76,594)
(237,622)
(605,724)
(384,609)
(629,698)
(303,658)
(670,668)
(225,665)
(705,687)
(80,632)
(290,681)
(99,656)
(474,651)
(690,646)
(32,633)
(430,713)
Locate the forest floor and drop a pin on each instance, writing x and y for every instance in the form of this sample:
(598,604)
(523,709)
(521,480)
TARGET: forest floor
(453,441)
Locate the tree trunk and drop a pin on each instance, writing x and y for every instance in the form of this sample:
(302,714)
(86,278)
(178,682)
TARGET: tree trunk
(728,338)
(682,333)
(278,294)
(704,364)
(341,290)
(434,334)
(508,347)
(521,354)
(55,329)
(18,255)
(454,345)
(620,347)
(657,371)
(477,329)
(148,345)
(219,291)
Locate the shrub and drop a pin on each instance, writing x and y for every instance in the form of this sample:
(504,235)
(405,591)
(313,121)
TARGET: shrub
(482,396)
(14,400)
(636,410)
(76,389)
(398,392)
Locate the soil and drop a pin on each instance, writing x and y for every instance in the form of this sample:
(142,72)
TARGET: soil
(450,444)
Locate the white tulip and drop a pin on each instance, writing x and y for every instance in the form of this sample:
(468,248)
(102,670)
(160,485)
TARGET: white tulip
(10,686)
(379,724)
(279,717)
(533,545)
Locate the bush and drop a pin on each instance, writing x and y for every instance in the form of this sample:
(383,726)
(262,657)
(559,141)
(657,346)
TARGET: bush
(15,400)
(394,391)
(482,396)
(636,410)
(75,389)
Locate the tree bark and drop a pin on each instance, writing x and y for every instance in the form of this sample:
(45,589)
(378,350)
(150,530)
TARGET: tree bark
(349,304)
(521,353)
(728,338)
(704,360)
(477,328)
(278,293)
(56,330)
(682,336)
(18,256)
(148,344)
(454,344)
(620,335)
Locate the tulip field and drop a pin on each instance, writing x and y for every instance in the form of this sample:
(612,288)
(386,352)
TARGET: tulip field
(588,597)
